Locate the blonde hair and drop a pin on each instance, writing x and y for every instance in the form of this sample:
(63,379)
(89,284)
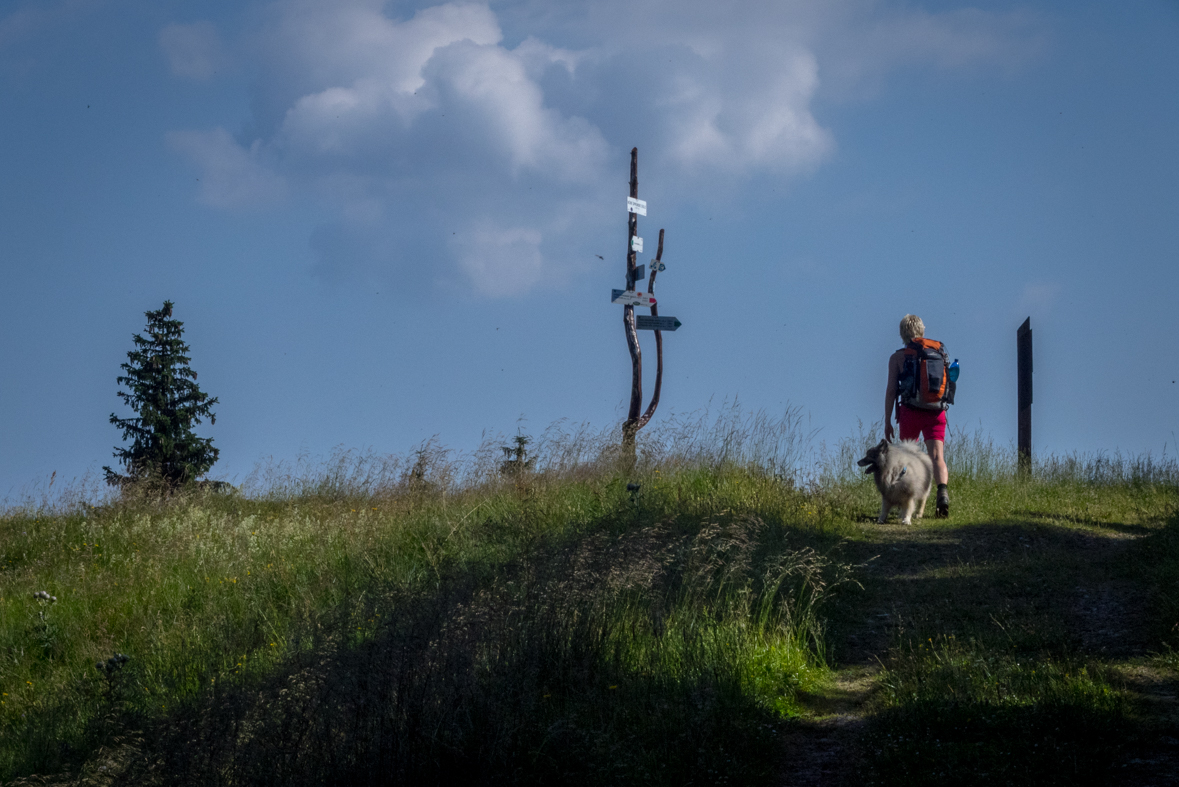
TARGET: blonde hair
(911,328)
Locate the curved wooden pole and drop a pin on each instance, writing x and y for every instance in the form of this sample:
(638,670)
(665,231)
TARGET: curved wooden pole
(658,342)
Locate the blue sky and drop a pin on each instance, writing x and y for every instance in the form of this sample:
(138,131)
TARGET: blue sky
(380,221)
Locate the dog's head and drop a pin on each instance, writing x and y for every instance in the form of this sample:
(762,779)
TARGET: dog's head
(875,457)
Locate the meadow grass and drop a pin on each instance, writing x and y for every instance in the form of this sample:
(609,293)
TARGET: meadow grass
(414,616)
(429,618)
(1004,634)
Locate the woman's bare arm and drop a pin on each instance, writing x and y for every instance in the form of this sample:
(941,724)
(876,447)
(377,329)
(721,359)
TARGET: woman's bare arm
(890,394)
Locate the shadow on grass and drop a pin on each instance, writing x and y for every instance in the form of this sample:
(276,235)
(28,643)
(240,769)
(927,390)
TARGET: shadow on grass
(1038,587)
(996,640)
(654,657)
(1154,563)
(1103,524)
(970,743)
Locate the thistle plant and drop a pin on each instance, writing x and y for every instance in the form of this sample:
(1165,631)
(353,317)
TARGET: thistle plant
(46,632)
(111,669)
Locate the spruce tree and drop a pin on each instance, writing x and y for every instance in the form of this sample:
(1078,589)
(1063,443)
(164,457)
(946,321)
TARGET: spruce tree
(164,393)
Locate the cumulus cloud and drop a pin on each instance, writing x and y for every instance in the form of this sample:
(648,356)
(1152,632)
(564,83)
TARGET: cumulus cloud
(743,118)
(501,262)
(492,85)
(194,51)
(432,123)
(232,176)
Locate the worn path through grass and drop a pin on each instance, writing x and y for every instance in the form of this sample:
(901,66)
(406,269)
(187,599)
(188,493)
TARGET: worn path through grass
(1052,624)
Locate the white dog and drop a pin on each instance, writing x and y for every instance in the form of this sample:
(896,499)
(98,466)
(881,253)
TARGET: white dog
(903,475)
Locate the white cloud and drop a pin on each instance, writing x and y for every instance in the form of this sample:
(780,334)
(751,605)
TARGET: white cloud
(501,262)
(320,45)
(231,176)
(537,56)
(194,50)
(494,85)
(430,124)
(381,75)
(759,121)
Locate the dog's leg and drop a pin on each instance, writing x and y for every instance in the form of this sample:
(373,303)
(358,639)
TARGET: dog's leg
(907,512)
(885,507)
(921,506)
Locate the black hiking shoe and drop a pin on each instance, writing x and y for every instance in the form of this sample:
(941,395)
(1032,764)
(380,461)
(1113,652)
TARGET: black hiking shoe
(943,501)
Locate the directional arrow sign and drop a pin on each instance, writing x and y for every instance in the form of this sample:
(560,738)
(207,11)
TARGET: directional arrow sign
(638,206)
(645,322)
(631,298)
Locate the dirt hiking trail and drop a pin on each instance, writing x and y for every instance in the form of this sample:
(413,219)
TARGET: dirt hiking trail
(1059,589)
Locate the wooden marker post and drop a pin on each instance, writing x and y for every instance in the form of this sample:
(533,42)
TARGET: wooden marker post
(634,421)
(1023,338)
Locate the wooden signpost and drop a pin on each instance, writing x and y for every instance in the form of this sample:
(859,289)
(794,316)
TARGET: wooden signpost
(1023,339)
(645,323)
(631,298)
(636,419)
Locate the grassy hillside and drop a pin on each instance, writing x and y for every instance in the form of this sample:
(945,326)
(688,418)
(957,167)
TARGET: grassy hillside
(734,620)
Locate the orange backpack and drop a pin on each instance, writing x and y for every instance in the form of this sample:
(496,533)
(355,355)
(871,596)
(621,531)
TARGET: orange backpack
(924,383)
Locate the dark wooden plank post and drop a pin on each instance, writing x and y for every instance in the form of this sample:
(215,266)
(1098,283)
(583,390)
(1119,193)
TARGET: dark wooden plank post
(631,426)
(1023,338)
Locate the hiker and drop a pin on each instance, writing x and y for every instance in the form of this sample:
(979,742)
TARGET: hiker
(919,386)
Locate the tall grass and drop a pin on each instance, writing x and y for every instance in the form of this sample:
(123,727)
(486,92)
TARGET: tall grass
(650,657)
(776,445)
(975,456)
(432,617)
(414,611)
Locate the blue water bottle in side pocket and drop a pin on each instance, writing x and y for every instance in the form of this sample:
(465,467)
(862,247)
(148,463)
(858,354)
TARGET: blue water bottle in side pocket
(954,371)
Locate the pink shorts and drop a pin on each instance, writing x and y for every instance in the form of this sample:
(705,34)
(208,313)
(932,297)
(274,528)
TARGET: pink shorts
(914,422)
